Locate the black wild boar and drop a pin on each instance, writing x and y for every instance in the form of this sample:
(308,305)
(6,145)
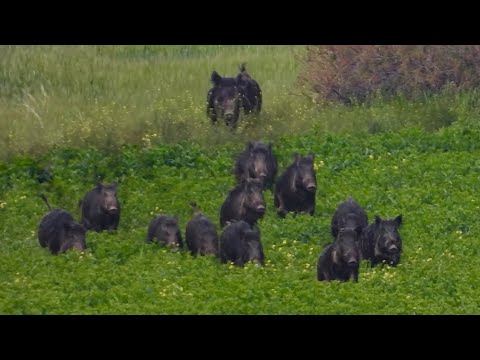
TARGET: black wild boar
(250,91)
(257,161)
(59,231)
(340,260)
(240,243)
(224,100)
(231,94)
(349,215)
(166,230)
(101,208)
(244,202)
(296,187)
(201,234)
(380,241)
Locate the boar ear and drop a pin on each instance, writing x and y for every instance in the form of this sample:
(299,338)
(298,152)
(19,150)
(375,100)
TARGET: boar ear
(115,185)
(378,220)
(398,220)
(99,187)
(250,146)
(270,147)
(243,67)
(215,78)
(311,156)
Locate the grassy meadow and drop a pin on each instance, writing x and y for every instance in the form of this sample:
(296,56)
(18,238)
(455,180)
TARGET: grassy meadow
(75,115)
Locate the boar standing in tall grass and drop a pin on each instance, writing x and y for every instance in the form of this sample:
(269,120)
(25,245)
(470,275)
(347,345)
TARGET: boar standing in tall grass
(224,100)
(250,90)
(231,94)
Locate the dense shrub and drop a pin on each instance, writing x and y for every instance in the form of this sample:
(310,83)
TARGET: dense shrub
(353,73)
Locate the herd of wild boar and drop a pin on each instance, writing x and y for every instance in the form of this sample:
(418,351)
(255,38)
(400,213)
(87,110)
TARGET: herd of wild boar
(255,170)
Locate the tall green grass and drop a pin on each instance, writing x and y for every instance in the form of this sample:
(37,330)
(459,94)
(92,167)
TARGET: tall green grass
(107,96)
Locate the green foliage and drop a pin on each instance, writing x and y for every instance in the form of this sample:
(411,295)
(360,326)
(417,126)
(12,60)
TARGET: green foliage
(429,178)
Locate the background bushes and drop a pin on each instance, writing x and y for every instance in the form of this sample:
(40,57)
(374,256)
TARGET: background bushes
(354,73)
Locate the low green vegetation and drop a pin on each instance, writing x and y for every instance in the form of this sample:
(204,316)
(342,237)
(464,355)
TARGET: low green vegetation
(430,178)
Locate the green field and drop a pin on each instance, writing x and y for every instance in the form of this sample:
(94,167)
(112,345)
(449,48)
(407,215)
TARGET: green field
(136,115)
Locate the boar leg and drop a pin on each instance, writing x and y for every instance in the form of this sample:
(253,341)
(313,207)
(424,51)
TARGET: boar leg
(281,206)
